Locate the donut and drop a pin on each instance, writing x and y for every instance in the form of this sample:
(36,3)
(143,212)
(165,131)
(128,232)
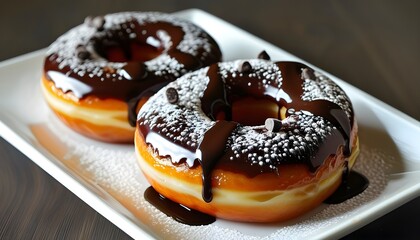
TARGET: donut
(248,140)
(98,74)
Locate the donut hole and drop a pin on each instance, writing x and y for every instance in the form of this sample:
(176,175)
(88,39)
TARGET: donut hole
(251,111)
(136,51)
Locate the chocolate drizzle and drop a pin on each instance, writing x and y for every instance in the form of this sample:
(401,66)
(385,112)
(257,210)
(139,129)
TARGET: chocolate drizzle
(215,98)
(208,152)
(177,211)
(292,85)
(143,50)
(321,127)
(221,92)
(211,148)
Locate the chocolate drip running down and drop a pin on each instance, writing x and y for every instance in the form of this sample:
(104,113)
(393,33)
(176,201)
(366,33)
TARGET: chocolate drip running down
(292,84)
(215,149)
(220,93)
(175,210)
(215,97)
(352,185)
(211,148)
(208,152)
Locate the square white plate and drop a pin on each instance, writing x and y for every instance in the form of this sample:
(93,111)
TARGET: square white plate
(106,177)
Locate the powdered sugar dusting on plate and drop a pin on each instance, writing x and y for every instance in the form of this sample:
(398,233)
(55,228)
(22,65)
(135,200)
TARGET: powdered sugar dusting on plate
(116,171)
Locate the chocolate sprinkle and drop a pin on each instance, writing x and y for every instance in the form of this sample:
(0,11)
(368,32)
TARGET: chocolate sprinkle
(273,125)
(308,74)
(82,53)
(289,122)
(245,67)
(264,55)
(172,95)
(95,22)
(98,22)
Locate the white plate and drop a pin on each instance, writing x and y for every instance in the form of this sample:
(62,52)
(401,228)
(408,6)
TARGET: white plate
(106,177)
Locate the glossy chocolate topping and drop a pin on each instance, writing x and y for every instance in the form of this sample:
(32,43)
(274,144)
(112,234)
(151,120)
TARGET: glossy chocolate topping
(127,56)
(175,210)
(323,113)
(211,148)
(352,185)
(235,86)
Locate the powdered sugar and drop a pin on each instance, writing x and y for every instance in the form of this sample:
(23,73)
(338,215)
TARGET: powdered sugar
(185,123)
(115,170)
(195,42)
(313,89)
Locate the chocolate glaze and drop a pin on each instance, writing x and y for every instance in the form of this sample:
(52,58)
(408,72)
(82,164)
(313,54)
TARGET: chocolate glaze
(131,79)
(225,88)
(177,211)
(223,93)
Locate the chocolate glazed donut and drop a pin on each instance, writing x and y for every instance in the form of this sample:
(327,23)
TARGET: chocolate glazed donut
(251,140)
(122,58)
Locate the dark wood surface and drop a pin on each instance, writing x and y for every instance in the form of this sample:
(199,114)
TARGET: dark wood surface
(373,45)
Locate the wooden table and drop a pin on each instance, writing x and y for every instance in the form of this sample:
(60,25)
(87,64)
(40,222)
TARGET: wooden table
(373,45)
